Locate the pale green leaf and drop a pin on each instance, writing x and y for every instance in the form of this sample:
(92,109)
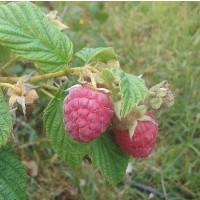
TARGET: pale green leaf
(69,150)
(107,155)
(102,54)
(108,75)
(111,82)
(12,176)
(133,90)
(27,32)
(5,121)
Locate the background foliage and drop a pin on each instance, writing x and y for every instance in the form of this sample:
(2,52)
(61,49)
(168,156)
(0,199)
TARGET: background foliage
(160,41)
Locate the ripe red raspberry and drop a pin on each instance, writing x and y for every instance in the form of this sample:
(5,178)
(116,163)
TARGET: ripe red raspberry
(87,113)
(143,141)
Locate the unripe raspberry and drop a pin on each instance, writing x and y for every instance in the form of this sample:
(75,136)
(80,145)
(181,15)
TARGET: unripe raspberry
(143,141)
(87,113)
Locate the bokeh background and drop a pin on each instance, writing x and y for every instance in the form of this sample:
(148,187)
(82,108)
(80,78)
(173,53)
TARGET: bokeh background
(160,40)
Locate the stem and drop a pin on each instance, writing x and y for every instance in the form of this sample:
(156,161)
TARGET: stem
(65,72)
(47,93)
(43,77)
(163,187)
(39,78)
(96,71)
(9,79)
(93,81)
(9,63)
(8,85)
(50,87)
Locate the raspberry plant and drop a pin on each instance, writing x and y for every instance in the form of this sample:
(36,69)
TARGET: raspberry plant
(32,35)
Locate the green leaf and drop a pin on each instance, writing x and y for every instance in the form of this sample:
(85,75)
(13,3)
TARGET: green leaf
(4,54)
(27,32)
(69,150)
(12,176)
(102,54)
(106,155)
(133,91)
(5,121)
(108,75)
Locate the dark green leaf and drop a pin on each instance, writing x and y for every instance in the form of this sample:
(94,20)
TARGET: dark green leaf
(106,155)
(12,176)
(5,121)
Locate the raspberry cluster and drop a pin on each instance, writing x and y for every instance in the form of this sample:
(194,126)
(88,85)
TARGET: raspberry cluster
(88,113)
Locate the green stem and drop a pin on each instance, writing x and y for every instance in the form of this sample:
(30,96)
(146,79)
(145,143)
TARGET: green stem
(65,72)
(8,85)
(39,78)
(49,87)
(43,77)
(47,93)
(9,79)
(9,63)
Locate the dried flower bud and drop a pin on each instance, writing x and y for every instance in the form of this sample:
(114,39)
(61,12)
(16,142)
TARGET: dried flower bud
(160,96)
(56,20)
(31,97)
(27,96)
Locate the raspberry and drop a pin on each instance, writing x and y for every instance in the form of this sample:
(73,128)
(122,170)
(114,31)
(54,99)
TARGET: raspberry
(87,113)
(143,141)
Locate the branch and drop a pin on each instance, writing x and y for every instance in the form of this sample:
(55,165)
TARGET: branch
(43,77)
(15,88)
(47,93)
(49,87)
(9,79)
